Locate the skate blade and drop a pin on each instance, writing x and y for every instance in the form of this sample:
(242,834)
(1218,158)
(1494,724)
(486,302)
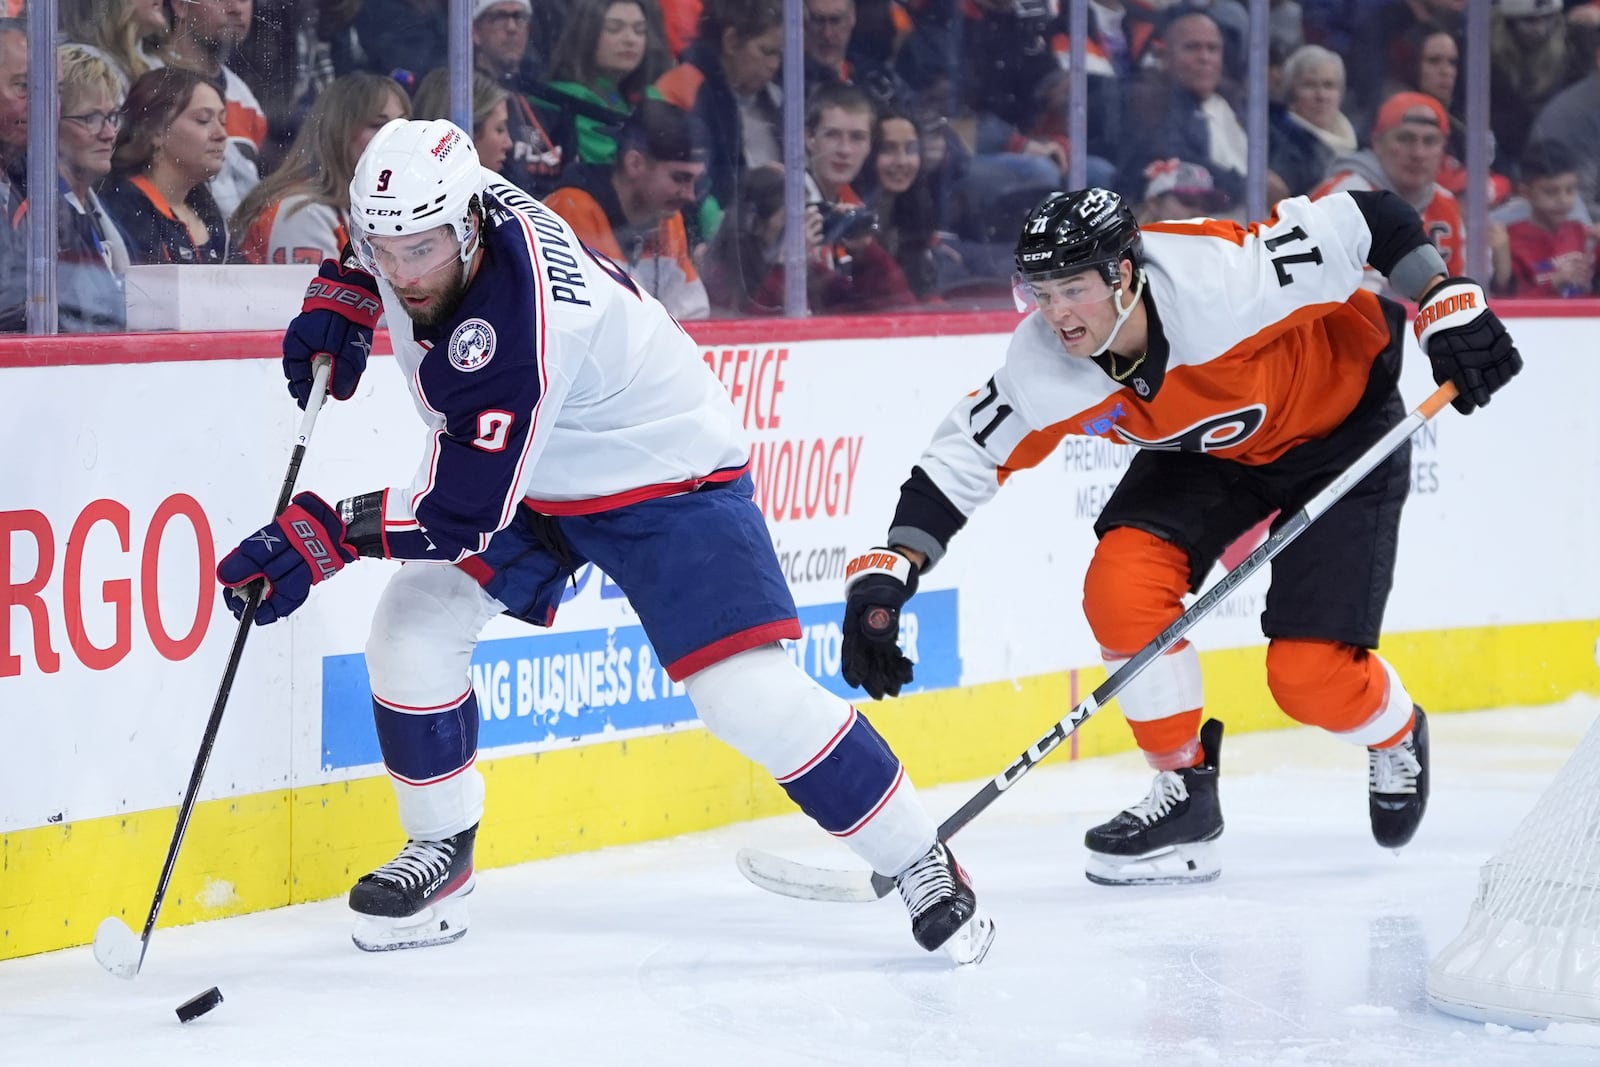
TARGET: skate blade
(438,924)
(1177,865)
(970,944)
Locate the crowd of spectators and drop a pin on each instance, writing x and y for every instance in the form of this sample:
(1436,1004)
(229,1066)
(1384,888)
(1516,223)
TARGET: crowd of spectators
(216,131)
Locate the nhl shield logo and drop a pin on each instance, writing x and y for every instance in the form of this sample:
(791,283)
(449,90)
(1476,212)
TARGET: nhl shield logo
(471,345)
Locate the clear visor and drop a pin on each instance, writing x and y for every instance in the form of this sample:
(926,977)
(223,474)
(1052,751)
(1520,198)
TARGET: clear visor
(409,258)
(1089,287)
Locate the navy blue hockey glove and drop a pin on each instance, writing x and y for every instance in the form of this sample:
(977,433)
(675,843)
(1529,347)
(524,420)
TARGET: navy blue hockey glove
(340,311)
(1466,342)
(877,586)
(303,546)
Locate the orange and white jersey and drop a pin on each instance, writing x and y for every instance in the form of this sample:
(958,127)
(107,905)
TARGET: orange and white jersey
(1260,339)
(1440,211)
(296,229)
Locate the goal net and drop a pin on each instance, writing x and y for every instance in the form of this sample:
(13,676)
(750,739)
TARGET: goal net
(1530,952)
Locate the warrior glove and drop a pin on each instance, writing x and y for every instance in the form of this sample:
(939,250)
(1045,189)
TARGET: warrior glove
(1466,342)
(877,585)
(336,320)
(301,547)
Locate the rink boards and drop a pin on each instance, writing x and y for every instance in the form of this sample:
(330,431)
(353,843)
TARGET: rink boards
(125,479)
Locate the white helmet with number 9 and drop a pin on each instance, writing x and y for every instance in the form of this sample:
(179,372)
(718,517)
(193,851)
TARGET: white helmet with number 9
(415,176)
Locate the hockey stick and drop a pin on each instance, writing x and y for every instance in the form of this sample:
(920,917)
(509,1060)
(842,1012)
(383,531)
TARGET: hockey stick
(115,946)
(788,878)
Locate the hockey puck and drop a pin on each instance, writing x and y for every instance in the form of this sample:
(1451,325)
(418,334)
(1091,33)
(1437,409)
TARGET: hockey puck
(197,1006)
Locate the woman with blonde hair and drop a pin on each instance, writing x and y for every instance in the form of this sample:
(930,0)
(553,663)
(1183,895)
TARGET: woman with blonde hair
(296,215)
(91,255)
(489,133)
(115,32)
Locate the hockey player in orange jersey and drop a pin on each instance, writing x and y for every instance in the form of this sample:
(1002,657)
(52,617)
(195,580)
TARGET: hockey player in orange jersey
(1250,368)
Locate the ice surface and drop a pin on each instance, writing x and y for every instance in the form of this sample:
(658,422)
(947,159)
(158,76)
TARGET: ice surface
(1311,949)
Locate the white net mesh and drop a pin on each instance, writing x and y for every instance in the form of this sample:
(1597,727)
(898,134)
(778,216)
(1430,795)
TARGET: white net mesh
(1530,953)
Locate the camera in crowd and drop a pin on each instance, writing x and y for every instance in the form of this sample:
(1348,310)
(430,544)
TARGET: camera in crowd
(844,222)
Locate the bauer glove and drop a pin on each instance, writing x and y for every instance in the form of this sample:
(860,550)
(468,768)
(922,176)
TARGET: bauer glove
(877,586)
(337,318)
(303,546)
(1466,342)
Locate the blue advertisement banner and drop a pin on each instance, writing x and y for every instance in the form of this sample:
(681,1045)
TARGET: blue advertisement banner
(566,686)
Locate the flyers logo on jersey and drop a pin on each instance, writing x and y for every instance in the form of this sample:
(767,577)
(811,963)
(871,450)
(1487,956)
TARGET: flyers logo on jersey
(1209,435)
(471,345)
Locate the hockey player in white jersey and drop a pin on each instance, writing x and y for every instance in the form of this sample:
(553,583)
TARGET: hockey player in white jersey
(1249,368)
(570,419)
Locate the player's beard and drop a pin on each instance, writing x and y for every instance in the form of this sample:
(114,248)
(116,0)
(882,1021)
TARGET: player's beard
(442,302)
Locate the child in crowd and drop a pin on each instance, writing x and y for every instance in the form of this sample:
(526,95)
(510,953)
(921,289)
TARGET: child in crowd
(1548,254)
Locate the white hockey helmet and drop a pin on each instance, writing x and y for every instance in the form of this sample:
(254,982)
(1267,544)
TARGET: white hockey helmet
(415,176)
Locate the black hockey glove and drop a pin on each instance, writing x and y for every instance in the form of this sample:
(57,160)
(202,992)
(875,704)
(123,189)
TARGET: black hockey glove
(877,585)
(340,311)
(1466,342)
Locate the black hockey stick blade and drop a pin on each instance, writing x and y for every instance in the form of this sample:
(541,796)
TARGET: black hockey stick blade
(115,946)
(788,878)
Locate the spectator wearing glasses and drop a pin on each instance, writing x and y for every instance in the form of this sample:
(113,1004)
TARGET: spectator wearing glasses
(92,256)
(632,211)
(296,215)
(611,52)
(500,51)
(169,148)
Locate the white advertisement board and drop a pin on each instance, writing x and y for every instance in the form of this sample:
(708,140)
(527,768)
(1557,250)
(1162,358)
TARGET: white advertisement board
(124,482)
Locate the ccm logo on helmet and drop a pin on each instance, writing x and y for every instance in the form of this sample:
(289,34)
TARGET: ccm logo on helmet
(1209,435)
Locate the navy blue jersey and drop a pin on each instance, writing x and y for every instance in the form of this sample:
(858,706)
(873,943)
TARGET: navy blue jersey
(556,382)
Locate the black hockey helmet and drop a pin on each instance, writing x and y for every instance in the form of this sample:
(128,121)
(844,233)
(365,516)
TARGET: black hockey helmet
(1072,232)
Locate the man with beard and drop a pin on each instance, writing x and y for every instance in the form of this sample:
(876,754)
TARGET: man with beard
(571,420)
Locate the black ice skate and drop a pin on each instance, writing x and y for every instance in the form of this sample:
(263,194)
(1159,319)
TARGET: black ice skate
(417,898)
(944,910)
(1168,837)
(1397,786)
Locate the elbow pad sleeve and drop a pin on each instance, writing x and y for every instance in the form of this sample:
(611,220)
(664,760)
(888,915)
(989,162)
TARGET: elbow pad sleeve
(925,519)
(1400,250)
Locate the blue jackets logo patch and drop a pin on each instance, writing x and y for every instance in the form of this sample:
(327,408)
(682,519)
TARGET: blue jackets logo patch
(471,345)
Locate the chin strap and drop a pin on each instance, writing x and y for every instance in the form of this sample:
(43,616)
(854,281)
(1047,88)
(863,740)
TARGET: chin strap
(1122,312)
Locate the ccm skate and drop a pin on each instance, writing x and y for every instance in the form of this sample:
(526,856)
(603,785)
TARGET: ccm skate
(416,899)
(944,910)
(1170,836)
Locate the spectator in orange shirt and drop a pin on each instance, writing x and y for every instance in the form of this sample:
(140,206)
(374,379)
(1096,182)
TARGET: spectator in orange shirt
(632,210)
(297,214)
(1547,254)
(1407,151)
